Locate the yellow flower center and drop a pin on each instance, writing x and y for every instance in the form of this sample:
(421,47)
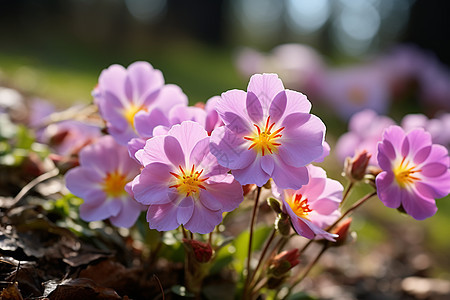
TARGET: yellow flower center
(264,141)
(114,184)
(299,205)
(404,173)
(189,183)
(129,113)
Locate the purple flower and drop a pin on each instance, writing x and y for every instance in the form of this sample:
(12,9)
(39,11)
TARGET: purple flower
(212,117)
(300,66)
(314,206)
(182,182)
(69,137)
(105,170)
(268,133)
(415,172)
(125,95)
(437,127)
(365,131)
(349,91)
(176,115)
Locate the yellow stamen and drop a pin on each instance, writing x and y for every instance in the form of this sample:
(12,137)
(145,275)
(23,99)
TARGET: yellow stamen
(130,111)
(299,205)
(189,183)
(264,141)
(114,184)
(404,173)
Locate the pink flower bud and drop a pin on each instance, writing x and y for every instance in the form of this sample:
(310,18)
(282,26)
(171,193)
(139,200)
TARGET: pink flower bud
(342,230)
(202,251)
(355,168)
(283,262)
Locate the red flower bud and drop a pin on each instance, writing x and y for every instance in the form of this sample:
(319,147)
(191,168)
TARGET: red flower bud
(342,230)
(355,168)
(202,251)
(248,188)
(283,262)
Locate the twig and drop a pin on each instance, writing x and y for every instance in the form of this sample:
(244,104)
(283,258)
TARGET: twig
(351,209)
(308,268)
(29,186)
(160,285)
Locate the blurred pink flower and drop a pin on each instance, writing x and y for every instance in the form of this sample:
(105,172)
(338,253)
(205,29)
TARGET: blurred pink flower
(314,206)
(101,181)
(299,66)
(182,182)
(438,127)
(351,90)
(365,131)
(415,172)
(268,133)
(67,138)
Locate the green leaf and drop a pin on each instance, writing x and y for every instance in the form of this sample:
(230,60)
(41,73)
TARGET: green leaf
(300,296)
(241,244)
(24,138)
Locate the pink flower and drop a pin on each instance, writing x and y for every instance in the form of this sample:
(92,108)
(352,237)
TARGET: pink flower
(415,172)
(125,95)
(314,206)
(69,137)
(268,133)
(300,66)
(101,179)
(351,90)
(182,182)
(437,127)
(206,116)
(365,131)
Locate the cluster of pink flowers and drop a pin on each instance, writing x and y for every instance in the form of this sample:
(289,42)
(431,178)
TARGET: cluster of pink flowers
(186,165)
(374,84)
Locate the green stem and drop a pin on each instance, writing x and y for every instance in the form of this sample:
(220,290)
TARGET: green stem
(346,193)
(352,208)
(263,253)
(308,268)
(250,240)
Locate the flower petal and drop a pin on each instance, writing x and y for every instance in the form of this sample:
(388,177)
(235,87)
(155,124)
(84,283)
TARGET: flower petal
(289,177)
(267,164)
(230,150)
(302,145)
(278,106)
(203,220)
(188,134)
(173,151)
(232,110)
(265,87)
(145,121)
(162,217)
(128,215)
(226,190)
(152,185)
(143,79)
(185,210)
(254,108)
(252,174)
(388,192)
(417,206)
